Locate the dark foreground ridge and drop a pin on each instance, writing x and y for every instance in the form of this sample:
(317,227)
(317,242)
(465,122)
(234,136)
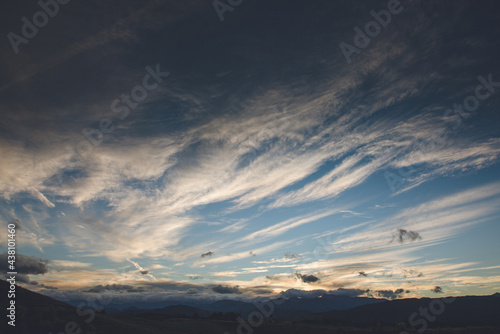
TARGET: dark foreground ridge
(36,313)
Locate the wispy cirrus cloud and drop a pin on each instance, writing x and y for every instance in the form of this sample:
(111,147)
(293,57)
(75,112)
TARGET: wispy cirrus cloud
(234,162)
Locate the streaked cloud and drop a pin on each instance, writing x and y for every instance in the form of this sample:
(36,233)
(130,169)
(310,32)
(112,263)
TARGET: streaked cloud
(258,166)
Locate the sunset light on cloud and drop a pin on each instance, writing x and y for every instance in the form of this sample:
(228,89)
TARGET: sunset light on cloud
(174,156)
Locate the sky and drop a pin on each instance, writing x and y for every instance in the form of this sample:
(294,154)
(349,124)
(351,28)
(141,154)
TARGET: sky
(236,149)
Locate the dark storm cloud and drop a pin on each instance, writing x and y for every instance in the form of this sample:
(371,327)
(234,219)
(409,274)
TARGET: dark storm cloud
(25,279)
(292,256)
(194,277)
(22,279)
(402,236)
(226,289)
(35,283)
(307,278)
(437,289)
(411,273)
(116,287)
(290,293)
(209,253)
(388,294)
(349,292)
(16,222)
(25,264)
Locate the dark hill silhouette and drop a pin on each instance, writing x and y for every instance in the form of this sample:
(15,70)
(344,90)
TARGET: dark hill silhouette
(36,313)
(297,306)
(230,306)
(171,310)
(291,307)
(463,311)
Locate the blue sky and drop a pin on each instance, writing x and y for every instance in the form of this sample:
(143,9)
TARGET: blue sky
(253,156)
